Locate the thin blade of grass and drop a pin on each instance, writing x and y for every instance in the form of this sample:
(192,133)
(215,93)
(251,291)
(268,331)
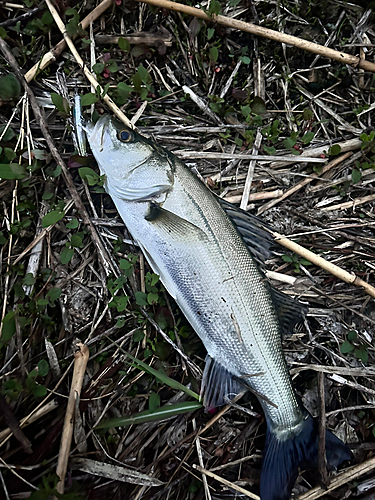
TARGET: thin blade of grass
(162,413)
(162,377)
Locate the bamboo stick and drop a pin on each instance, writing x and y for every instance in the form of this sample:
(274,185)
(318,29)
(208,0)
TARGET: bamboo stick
(266,33)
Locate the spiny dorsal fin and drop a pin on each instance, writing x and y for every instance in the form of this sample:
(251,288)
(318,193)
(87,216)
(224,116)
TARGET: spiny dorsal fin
(255,233)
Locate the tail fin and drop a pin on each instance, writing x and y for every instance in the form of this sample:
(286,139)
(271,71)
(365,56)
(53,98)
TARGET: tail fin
(281,458)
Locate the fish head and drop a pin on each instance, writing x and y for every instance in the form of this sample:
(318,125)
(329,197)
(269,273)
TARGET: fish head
(135,167)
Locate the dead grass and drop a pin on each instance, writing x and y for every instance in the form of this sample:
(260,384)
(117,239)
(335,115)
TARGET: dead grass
(258,121)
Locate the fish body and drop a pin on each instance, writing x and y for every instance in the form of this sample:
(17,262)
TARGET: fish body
(205,264)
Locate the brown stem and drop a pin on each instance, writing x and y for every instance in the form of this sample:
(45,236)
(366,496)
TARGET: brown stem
(266,33)
(81,358)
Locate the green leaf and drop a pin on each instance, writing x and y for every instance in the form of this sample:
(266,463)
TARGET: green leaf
(166,411)
(125,264)
(144,74)
(361,353)
(246,110)
(120,322)
(346,347)
(76,241)
(88,99)
(9,153)
(138,336)
(29,279)
(42,302)
(53,294)
(214,54)
(39,391)
(9,328)
(356,175)
(352,335)
(334,150)
(112,67)
(124,44)
(3,33)
(98,68)
(307,114)
(154,279)
(9,134)
(73,224)
(214,7)
(269,150)
(60,103)
(141,298)
(43,368)
(121,302)
(245,59)
(12,171)
(210,33)
(153,402)
(66,255)
(3,240)
(52,217)
(308,137)
(289,143)
(89,175)
(152,298)
(287,258)
(10,87)
(258,106)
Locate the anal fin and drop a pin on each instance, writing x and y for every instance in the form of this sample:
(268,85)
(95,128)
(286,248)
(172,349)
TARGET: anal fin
(218,385)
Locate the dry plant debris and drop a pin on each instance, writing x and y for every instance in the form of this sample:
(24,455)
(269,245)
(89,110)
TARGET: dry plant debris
(272,127)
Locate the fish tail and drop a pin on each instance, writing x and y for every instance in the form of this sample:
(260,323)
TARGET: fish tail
(283,457)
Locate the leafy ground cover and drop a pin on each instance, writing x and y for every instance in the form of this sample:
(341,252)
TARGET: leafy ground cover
(207,93)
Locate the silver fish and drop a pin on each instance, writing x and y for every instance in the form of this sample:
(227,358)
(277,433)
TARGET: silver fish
(205,252)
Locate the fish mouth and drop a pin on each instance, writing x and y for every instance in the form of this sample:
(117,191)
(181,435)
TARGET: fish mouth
(98,133)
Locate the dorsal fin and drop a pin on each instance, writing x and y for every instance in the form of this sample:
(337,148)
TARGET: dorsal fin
(259,241)
(289,311)
(255,232)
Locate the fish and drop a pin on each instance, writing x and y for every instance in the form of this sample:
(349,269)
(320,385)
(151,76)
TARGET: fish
(210,257)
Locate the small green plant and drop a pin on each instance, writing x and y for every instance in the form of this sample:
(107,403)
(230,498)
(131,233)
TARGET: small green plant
(296,261)
(354,345)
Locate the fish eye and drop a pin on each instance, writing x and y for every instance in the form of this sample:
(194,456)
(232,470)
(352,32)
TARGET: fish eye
(124,135)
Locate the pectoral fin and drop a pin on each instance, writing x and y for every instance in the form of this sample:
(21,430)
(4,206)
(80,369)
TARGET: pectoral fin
(180,230)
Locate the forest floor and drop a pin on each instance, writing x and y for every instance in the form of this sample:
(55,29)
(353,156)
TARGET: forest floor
(217,97)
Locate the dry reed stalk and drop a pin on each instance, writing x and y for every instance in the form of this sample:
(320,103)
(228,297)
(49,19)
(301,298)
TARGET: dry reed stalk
(53,54)
(324,264)
(305,182)
(315,48)
(110,103)
(81,357)
(221,480)
(344,478)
